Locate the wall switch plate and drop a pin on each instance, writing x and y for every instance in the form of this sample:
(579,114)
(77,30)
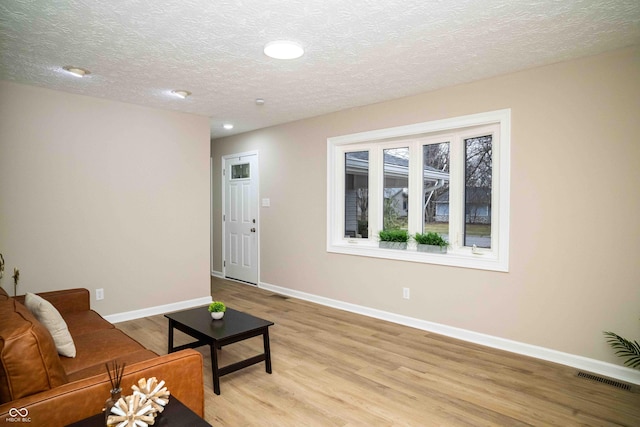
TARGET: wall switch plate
(99,294)
(405,293)
(266,203)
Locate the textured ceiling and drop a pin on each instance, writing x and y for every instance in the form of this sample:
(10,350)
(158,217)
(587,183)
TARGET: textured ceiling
(358,52)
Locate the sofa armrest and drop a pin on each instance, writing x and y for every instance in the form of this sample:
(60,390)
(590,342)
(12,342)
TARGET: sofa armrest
(67,300)
(71,402)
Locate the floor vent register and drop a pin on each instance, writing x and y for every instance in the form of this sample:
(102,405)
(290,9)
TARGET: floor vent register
(605,380)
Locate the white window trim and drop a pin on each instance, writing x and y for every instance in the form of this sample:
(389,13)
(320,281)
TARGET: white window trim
(496,259)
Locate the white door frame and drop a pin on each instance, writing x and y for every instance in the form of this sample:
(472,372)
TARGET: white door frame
(211,243)
(255,173)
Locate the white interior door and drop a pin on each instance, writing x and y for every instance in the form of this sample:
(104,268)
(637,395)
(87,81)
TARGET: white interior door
(240,218)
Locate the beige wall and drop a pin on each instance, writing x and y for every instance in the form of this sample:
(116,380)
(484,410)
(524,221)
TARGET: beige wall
(575,199)
(102,194)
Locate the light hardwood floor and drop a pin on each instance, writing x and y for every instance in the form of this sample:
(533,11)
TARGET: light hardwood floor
(334,368)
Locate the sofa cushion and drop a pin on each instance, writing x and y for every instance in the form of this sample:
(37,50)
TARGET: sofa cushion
(85,322)
(47,314)
(98,348)
(29,361)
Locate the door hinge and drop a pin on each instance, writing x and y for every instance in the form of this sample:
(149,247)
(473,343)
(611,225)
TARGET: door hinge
(224,217)
(224,263)
(224,171)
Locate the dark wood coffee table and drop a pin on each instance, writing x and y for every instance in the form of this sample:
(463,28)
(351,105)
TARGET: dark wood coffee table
(233,327)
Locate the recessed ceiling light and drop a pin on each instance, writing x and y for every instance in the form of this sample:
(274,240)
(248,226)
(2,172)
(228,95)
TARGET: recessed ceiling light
(227,126)
(283,49)
(76,71)
(259,101)
(181,93)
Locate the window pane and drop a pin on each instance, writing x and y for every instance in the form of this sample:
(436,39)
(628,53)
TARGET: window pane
(396,188)
(477,193)
(356,194)
(435,178)
(240,171)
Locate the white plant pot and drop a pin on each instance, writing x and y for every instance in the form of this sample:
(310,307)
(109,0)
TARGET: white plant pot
(217,315)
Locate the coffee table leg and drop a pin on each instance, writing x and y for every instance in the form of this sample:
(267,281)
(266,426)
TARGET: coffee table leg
(267,350)
(214,369)
(170,349)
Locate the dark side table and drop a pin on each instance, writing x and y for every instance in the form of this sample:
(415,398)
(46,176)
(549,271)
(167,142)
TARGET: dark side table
(175,414)
(233,327)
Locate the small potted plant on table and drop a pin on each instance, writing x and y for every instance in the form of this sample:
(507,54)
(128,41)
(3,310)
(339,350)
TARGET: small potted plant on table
(431,242)
(217,309)
(393,239)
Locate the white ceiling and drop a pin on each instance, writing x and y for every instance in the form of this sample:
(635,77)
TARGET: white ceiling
(358,52)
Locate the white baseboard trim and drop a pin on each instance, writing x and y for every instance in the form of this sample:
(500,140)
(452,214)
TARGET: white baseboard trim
(217,274)
(578,362)
(159,309)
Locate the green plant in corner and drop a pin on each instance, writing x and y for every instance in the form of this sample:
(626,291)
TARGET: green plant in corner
(430,238)
(394,235)
(217,307)
(625,348)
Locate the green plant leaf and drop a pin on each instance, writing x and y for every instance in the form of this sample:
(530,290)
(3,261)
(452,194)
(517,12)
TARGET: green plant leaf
(430,238)
(217,306)
(625,348)
(394,235)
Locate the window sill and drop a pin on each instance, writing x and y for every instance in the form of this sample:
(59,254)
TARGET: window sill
(453,258)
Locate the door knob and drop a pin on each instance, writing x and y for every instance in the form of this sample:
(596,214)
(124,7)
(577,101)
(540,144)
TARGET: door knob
(253,230)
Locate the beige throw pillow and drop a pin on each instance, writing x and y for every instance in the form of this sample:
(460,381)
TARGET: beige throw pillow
(47,314)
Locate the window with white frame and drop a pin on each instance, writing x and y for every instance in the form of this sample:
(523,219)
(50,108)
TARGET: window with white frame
(449,177)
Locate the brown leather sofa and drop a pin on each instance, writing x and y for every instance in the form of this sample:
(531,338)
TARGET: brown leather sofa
(54,390)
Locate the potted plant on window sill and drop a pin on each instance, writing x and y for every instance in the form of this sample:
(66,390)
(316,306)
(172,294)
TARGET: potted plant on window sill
(393,239)
(217,309)
(431,242)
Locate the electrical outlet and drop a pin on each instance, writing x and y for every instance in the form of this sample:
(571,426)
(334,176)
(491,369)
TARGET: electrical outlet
(99,294)
(405,293)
